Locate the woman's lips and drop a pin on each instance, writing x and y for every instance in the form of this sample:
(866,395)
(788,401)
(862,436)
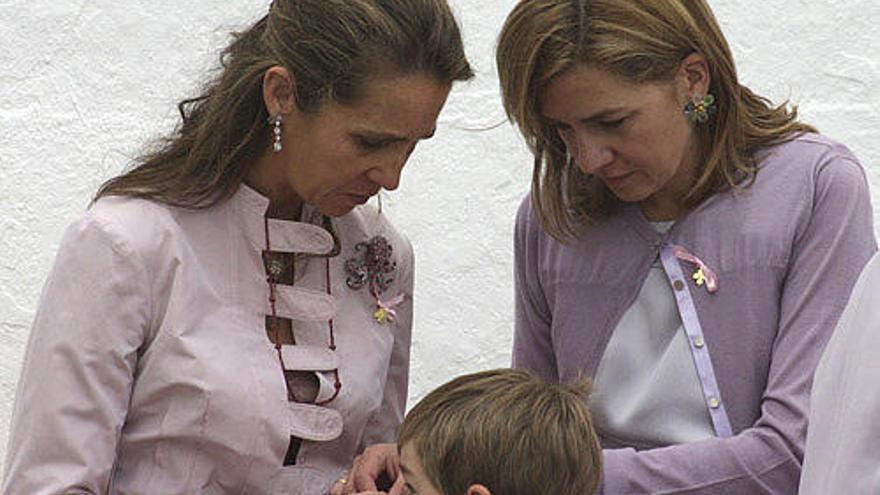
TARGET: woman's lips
(360,199)
(617,179)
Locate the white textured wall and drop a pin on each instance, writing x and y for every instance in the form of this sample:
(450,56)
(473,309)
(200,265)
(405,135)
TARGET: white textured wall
(84,83)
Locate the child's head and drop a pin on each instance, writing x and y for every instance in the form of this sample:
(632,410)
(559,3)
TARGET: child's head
(504,432)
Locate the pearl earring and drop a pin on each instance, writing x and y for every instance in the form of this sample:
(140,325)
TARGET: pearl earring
(276,122)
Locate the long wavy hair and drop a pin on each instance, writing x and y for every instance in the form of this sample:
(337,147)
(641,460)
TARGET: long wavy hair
(331,46)
(641,41)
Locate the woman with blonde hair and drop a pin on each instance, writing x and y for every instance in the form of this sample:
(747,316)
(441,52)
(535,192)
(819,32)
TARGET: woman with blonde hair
(227,317)
(685,242)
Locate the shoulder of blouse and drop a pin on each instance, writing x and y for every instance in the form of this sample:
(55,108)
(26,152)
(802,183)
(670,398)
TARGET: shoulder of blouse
(809,151)
(790,176)
(137,224)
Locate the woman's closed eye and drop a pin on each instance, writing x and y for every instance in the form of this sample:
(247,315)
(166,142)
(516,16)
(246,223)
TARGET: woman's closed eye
(371,144)
(612,123)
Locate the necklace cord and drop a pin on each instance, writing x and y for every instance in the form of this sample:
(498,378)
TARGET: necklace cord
(270,279)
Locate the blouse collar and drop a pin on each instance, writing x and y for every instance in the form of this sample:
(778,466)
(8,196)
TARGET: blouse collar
(285,235)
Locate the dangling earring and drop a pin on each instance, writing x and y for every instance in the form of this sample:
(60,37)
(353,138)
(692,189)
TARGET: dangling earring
(379,199)
(276,123)
(700,108)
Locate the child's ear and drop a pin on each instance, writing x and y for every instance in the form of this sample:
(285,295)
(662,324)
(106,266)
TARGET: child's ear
(478,490)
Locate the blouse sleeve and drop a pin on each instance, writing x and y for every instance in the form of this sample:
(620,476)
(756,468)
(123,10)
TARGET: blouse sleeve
(78,368)
(830,249)
(384,423)
(532,344)
(843,441)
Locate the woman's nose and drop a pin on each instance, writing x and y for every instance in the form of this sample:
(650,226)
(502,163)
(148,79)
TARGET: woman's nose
(590,155)
(387,175)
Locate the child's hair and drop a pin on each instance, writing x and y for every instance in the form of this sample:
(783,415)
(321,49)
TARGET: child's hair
(509,431)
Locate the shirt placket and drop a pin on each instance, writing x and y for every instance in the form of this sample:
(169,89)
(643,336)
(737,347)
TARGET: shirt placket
(696,341)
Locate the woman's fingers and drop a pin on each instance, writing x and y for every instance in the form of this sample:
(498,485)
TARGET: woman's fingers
(338,487)
(369,467)
(399,486)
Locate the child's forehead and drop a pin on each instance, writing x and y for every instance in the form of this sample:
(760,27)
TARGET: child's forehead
(410,461)
(413,472)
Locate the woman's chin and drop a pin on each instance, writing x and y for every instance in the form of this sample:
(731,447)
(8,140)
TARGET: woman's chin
(338,208)
(335,211)
(629,194)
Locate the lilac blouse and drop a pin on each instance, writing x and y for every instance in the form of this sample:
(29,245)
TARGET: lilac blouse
(786,252)
(149,368)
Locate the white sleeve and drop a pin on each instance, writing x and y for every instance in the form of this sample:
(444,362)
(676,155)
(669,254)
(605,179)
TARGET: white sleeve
(77,375)
(843,438)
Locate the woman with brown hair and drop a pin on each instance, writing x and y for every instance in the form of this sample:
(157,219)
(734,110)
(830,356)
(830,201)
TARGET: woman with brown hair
(227,317)
(687,243)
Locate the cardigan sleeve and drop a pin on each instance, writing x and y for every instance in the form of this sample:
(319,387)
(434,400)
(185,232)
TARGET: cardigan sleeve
(532,341)
(77,374)
(831,246)
(384,423)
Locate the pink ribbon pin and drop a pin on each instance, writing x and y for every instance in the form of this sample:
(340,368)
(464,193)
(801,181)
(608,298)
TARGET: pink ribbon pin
(386,309)
(710,277)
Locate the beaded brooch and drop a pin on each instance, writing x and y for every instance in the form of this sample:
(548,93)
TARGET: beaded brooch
(373,268)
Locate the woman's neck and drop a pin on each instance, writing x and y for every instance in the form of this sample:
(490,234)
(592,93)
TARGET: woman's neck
(663,210)
(668,203)
(267,177)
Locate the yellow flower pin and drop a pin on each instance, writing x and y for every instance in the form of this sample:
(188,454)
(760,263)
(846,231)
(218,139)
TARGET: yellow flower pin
(385,311)
(381,315)
(699,277)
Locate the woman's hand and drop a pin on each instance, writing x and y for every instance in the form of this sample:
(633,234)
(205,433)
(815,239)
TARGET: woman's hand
(378,463)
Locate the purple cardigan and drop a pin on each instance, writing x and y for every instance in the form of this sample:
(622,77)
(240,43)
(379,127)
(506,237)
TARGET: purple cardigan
(786,250)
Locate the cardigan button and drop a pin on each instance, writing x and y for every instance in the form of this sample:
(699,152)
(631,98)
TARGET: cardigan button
(699,342)
(678,285)
(714,402)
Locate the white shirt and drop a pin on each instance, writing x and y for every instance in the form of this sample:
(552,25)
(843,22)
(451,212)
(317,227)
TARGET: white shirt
(842,453)
(646,390)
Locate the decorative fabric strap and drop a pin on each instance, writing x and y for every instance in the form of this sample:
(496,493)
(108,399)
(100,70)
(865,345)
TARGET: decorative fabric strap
(703,274)
(670,255)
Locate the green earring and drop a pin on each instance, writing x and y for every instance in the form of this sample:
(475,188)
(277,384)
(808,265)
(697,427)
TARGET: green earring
(700,109)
